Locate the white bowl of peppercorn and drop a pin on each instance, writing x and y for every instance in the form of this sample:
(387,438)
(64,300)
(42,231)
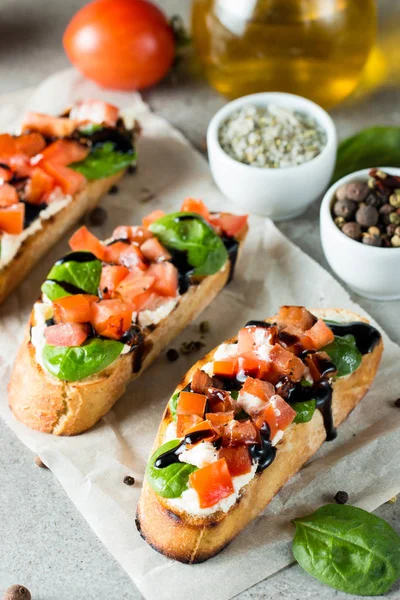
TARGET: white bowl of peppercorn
(272,153)
(360,231)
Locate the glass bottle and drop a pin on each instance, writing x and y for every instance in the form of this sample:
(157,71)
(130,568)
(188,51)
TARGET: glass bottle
(314,48)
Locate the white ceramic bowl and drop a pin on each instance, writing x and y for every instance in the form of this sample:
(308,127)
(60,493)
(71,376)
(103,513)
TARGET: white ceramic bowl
(277,193)
(370,271)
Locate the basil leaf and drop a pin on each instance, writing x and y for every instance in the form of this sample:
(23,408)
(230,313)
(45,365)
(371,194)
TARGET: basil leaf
(104,161)
(348,549)
(83,275)
(305,411)
(187,232)
(53,291)
(344,354)
(171,481)
(242,416)
(89,129)
(77,362)
(234,394)
(369,147)
(173,403)
(305,383)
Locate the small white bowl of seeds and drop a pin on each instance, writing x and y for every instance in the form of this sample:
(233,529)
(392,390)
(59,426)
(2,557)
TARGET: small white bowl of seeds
(272,153)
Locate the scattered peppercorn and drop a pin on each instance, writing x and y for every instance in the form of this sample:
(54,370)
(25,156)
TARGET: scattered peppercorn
(40,463)
(341,497)
(354,190)
(352,230)
(132,169)
(397,402)
(98,216)
(114,189)
(204,327)
(190,347)
(172,354)
(17,592)
(128,480)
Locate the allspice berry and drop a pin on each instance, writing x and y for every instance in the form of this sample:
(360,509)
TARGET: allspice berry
(354,190)
(17,592)
(352,230)
(344,208)
(366,216)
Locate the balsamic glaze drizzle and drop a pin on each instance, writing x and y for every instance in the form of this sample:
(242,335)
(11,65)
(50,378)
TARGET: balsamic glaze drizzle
(32,212)
(264,453)
(366,336)
(68,287)
(77,256)
(258,324)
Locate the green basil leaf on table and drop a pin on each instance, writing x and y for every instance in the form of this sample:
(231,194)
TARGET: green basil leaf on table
(370,147)
(344,354)
(304,411)
(348,549)
(187,232)
(104,161)
(83,275)
(173,404)
(77,362)
(171,481)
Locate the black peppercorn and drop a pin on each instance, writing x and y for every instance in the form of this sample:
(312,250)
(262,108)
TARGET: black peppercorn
(344,208)
(128,480)
(98,216)
(341,497)
(397,403)
(354,190)
(17,592)
(352,230)
(204,327)
(132,169)
(367,216)
(172,354)
(373,200)
(114,189)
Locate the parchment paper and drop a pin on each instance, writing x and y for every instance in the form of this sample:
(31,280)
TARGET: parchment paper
(364,460)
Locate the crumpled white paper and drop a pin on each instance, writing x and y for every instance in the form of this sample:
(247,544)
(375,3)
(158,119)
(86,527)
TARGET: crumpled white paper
(364,460)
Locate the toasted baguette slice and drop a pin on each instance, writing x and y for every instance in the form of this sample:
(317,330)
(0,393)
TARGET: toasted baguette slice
(193,539)
(63,408)
(37,245)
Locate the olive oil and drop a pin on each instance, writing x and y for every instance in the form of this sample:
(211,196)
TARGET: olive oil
(314,48)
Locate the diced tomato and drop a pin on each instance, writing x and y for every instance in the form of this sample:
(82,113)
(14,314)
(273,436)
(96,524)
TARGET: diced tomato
(83,239)
(186,422)
(135,234)
(131,257)
(201,432)
(111,277)
(8,195)
(5,173)
(95,111)
(231,225)
(200,382)
(39,186)
(320,334)
(47,125)
(297,316)
(30,144)
(133,286)
(66,334)
(220,419)
(166,275)
(65,152)
(278,414)
(212,483)
(195,206)
(69,180)
(153,216)
(255,387)
(74,309)
(238,460)
(12,218)
(113,251)
(8,146)
(148,301)
(219,400)
(251,338)
(154,251)
(240,432)
(286,363)
(227,367)
(21,165)
(190,403)
(111,318)
(253,366)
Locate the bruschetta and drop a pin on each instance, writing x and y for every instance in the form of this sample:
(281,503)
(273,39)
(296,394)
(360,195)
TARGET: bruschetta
(245,419)
(108,308)
(57,169)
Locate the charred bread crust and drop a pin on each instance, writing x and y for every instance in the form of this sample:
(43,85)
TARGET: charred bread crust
(37,245)
(194,539)
(67,408)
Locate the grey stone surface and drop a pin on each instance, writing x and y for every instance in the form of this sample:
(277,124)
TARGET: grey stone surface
(45,543)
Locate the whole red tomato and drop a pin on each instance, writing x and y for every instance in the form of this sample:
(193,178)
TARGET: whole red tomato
(120,44)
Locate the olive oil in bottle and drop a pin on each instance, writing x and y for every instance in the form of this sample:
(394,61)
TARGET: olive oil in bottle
(314,48)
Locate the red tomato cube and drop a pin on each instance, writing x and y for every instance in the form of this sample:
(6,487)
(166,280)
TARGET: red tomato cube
(111,318)
(66,334)
(238,460)
(212,483)
(83,239)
